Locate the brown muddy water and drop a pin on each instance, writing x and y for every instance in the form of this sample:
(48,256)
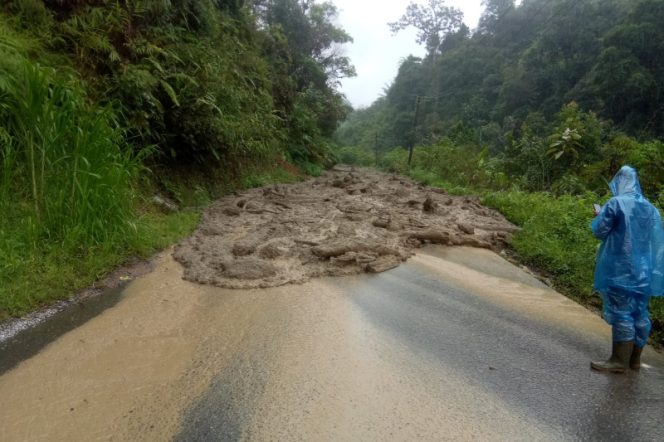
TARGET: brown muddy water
(22,339)
(346,221)
(126,374)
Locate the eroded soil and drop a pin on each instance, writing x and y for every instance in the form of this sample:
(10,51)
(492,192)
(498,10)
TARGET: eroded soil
(346,221)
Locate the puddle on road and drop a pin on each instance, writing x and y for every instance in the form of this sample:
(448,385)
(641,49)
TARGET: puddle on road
(32,338)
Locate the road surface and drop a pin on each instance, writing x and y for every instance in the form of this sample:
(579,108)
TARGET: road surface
(457,344)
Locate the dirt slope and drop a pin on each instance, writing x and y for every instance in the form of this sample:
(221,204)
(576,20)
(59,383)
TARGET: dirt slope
(344,222)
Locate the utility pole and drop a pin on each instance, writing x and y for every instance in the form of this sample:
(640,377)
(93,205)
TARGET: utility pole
(412,138)
(376,149)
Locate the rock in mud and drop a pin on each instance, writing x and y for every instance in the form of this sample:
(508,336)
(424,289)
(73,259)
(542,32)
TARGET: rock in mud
(381,222)
(273,251)
(382,264)
(244,248)
(431,236)
(232,211)
(466,228)
(164,204)
(429,205)
(334,250)
(250,269)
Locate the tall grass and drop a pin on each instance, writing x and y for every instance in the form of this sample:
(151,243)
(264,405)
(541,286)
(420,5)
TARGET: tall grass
(555,236)
(61,157)
(66,201)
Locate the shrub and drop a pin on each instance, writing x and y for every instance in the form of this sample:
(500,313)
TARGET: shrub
(396,160)
(555,236)
(356,156)
(60,156)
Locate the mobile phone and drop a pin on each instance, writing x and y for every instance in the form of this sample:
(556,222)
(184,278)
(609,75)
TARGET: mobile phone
(597,208)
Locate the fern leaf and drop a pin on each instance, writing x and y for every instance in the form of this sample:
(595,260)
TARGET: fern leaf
(171,92)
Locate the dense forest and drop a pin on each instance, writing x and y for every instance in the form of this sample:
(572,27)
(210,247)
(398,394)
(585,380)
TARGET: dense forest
(105,103)
(535,109)
(547,87)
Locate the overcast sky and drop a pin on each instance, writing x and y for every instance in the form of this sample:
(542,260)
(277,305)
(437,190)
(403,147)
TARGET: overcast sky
(375,52)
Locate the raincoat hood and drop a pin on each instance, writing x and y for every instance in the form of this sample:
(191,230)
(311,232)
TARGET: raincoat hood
(625,182)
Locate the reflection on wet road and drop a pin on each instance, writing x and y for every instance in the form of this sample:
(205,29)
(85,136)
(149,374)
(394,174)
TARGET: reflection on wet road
(457,344)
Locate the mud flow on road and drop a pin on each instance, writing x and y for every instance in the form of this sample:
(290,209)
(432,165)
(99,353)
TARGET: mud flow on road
(345,222)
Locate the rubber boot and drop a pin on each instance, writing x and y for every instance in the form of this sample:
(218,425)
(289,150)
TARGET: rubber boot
(635,360)
(619,360)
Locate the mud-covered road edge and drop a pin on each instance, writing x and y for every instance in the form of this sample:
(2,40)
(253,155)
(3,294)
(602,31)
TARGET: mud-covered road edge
(117,278)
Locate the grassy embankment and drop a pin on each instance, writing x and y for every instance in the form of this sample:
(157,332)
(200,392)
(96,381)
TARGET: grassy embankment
(36,274)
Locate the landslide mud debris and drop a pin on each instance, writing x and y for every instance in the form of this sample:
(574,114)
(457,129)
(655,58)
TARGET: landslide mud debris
(346,221)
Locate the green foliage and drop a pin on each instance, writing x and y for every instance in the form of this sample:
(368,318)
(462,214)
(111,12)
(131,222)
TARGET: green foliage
(205,81)
(62,157)
(464,165)
(311,169)
(356,156)
(566,143)
(555,236)
(395,160)
(657,317)
(569,184)
(433,22)
(302,49)
(32,277)
(532,58)
(490,21)
(65,181)
(198,93)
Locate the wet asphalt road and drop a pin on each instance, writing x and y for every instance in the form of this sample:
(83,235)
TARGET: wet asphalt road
(532,358)
(456,344)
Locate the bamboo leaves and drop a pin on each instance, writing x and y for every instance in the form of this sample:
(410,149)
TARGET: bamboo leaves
(170,92)
(68,155)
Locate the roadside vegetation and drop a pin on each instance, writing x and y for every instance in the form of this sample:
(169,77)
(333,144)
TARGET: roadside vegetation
(555,237)
(535,110)
(105,105)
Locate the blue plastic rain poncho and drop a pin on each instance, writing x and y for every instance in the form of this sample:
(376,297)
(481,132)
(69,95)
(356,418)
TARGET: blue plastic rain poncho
(630,261)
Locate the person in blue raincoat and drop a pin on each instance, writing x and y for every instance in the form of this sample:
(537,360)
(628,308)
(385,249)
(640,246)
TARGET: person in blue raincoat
(629,268)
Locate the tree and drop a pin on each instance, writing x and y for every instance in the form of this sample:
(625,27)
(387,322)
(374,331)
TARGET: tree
(327,41)
(494,10)
(306,45)
(433,22)
(628,77)
(606,56)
